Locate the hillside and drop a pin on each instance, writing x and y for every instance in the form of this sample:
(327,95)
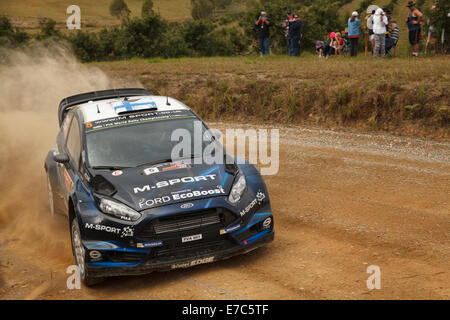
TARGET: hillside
(25,12)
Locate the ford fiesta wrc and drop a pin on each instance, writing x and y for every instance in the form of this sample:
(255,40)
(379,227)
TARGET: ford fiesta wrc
(132,206)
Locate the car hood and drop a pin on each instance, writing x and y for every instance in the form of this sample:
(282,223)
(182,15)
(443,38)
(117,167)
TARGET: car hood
(149,187)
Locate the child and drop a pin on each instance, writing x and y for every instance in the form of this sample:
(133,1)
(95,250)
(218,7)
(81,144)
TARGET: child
(319,48)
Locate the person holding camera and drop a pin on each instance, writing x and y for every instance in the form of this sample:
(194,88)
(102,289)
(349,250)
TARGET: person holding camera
(295,35)
(380,22)
(262,26)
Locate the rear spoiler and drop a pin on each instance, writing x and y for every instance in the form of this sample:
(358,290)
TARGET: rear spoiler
(77,99)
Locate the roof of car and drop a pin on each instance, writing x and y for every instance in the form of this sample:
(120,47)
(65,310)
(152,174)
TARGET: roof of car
(115,107)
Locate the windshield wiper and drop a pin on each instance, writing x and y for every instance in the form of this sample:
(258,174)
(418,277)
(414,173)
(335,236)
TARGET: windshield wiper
(192,156)
(108,167)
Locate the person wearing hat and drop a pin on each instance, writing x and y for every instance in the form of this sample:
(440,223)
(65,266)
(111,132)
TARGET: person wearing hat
(329,46)
(353,33)
(413,21)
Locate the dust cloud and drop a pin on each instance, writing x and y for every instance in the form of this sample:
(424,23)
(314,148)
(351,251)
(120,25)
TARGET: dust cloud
(32,83)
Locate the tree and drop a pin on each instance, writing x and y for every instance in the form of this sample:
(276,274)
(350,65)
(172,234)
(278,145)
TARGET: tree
(119,10)
(147,8)
(201,9)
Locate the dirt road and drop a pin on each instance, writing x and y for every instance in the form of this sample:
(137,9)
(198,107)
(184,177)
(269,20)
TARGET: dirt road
(342,202)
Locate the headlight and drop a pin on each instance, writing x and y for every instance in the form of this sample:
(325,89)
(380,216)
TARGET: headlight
(118,210)
(237,190)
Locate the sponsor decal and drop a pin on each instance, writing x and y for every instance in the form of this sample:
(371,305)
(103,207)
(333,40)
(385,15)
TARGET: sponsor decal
(125,232)
(187,205)
(162,184)
(149,244)
(88,125)
(176,166)
(150,171)
(193,263)
(68,180)
(95,255)
(148,203)
(266,223)
(192,238)
(66,125)
(260,196)
(117,173)
(230,229)
(143,117)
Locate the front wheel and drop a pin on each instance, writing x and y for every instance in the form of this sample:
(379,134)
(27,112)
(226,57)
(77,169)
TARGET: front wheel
(80,255)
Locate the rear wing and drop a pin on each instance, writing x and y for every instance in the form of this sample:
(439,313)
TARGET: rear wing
(77,99)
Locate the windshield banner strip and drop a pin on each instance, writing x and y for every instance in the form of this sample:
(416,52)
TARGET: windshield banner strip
(137,119)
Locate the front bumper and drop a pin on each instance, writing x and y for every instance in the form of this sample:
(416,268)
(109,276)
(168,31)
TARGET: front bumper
(189,260)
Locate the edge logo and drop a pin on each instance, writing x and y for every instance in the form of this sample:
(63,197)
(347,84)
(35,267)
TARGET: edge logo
(266,223)
(94,254)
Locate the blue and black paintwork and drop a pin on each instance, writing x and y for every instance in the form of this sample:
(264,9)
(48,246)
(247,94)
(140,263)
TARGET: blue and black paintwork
(132,247)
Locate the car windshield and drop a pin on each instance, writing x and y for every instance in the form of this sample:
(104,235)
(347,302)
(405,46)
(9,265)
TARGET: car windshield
(142,143)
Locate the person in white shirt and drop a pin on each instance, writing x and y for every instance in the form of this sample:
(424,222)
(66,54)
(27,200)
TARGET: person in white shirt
(379,29)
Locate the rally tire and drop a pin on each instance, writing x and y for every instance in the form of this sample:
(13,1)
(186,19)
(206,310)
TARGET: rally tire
(79,254)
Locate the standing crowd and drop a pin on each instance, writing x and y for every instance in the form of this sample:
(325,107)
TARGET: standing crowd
(381,31)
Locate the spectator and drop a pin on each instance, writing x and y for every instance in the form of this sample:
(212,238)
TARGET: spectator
(414,20)
(353,33)
(319,48)
(263,25)
(432,32)
(328,49)
(338,43)
(369,26)
(295,35)
(286,26)
(387,13)
(392,40)
(379,29)
(346,40)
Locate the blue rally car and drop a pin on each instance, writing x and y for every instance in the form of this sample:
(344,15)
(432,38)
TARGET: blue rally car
(132,207)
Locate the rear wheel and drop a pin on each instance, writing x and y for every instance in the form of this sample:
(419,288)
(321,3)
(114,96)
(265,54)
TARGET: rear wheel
(80,255)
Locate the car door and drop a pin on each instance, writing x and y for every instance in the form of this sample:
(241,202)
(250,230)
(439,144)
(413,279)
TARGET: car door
(72,147)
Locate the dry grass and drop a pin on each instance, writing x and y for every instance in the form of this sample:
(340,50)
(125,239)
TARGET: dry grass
(92,12)
(399,95)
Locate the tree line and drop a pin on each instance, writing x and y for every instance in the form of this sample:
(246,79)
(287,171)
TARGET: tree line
(207,34)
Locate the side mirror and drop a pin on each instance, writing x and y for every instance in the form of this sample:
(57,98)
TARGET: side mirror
(61,158)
